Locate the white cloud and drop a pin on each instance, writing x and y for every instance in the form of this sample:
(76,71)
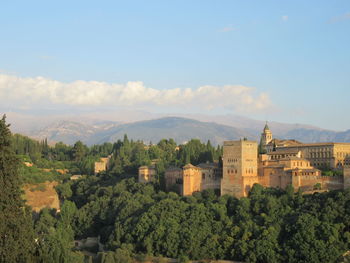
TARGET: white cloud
(285,18)
(35,92)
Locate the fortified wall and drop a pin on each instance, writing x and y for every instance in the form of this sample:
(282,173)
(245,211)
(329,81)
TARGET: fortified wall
(309,182)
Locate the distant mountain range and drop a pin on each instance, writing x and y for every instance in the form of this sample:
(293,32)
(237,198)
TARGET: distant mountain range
(98,128)
(180,129)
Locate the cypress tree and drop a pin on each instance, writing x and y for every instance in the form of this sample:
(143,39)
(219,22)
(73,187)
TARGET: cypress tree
(16,229)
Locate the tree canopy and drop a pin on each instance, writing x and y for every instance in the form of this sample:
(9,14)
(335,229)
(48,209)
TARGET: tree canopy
(16,229)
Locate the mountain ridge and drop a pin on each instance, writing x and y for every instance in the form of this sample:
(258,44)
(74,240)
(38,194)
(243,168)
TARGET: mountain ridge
(98,129)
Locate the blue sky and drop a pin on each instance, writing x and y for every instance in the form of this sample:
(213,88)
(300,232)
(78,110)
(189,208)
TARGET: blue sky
(292,55)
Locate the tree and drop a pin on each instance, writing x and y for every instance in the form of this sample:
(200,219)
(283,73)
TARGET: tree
(261,148)
(317,186)
(16,229)
(78,151)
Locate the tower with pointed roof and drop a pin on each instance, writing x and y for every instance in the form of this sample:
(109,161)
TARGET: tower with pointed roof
(266,138)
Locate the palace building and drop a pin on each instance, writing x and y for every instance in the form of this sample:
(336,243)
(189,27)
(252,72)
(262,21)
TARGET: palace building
(278,164)
(327,155)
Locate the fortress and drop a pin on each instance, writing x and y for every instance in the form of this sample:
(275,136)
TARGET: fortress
(272,163)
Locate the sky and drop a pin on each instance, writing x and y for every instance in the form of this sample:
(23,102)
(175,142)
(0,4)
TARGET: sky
(286,61)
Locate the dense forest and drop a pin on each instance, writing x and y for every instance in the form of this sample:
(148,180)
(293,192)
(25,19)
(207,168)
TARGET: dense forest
(127,155)
(136,220)
(270,225)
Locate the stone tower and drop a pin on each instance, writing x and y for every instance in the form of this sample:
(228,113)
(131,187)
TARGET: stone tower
(192,179)
(266,138)
(240,167)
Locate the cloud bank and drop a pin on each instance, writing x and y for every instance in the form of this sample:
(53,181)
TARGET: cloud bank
(35,92)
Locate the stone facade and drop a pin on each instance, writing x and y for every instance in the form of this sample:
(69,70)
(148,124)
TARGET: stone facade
(323,155)
(192,178)
(295,171)
(211,175)
(174,179)
(240,167)
(147,174)
(102,165)
(326,155)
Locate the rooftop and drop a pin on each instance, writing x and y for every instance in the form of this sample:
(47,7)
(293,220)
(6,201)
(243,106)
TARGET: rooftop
(208,165)
(190,166)
(266,128)
(321,144)
(278,142)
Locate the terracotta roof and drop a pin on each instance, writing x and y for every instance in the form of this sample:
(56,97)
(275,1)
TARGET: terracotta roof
(208,165)
(190,166)
(285,142)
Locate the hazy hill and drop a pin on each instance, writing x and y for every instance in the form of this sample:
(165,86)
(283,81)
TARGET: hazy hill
(67,131)
(180,129)
(313,135)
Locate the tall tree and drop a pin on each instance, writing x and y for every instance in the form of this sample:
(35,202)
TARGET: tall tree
(16,229)
(78,151)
